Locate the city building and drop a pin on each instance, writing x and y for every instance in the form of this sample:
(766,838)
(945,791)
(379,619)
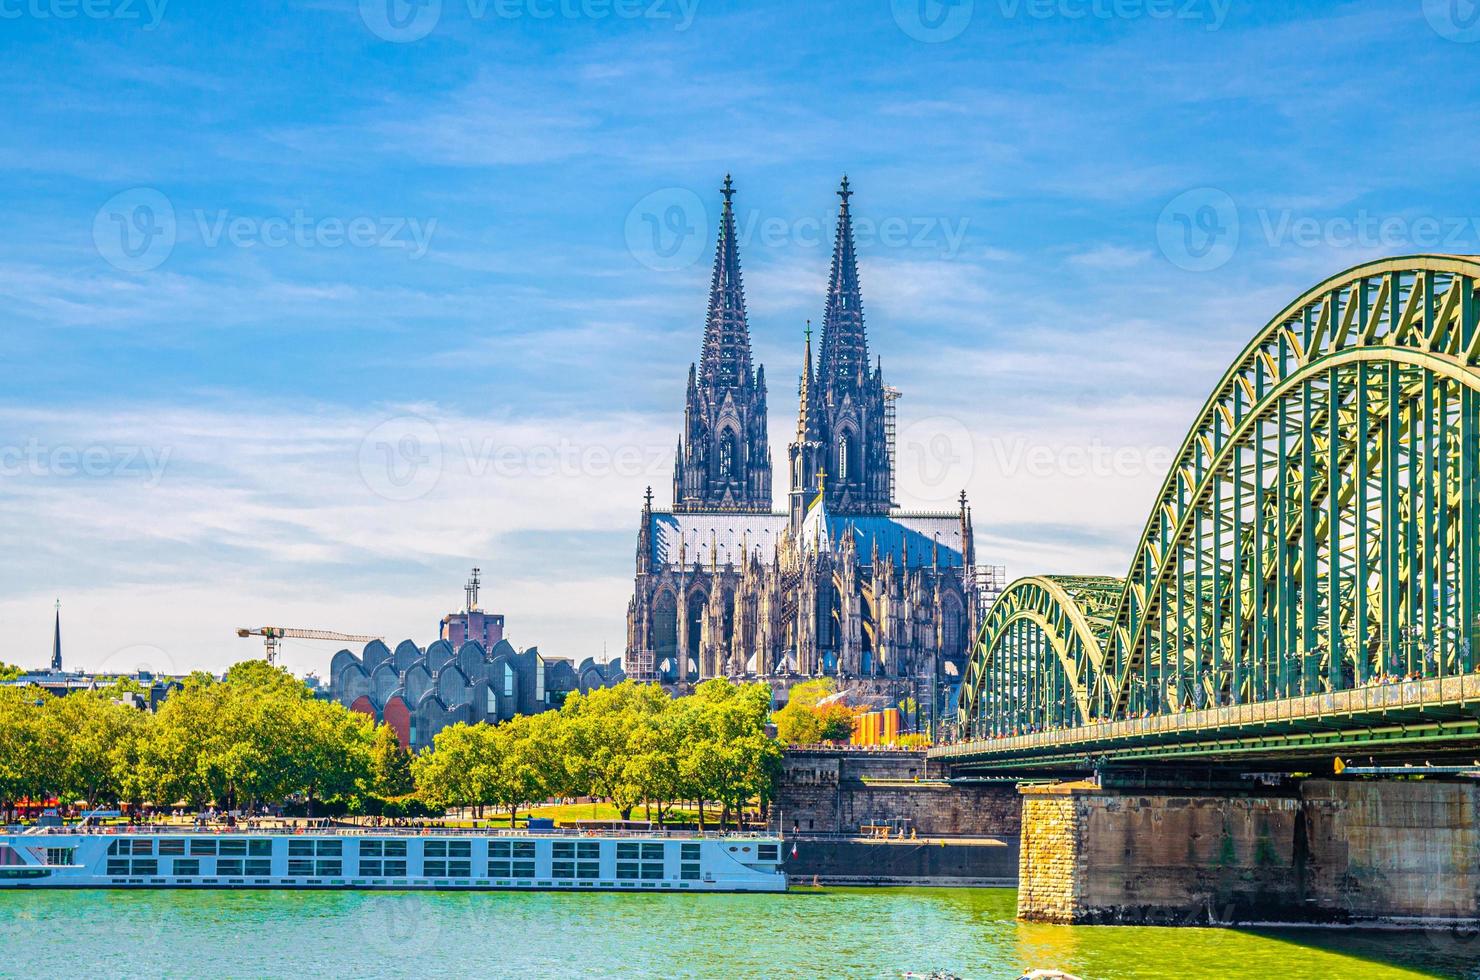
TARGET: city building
(418,691)
(840,582)
(56,680)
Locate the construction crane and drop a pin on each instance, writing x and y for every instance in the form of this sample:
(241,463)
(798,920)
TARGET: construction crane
(272,636)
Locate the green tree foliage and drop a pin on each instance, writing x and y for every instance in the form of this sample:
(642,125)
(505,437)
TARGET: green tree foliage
(390,765)
(29,756)
(258,736)
(806,721)
(631,744)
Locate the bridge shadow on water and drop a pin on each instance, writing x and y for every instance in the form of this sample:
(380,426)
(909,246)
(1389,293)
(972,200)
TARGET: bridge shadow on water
(1193,952)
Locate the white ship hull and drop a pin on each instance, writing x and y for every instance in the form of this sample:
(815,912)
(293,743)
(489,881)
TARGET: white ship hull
(443,860)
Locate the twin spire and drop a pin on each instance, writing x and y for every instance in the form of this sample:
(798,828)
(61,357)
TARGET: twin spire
(844,341)
(725,360)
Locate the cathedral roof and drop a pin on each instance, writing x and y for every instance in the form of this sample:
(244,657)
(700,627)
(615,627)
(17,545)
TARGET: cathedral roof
(908,539)
(692,534)
(902,536)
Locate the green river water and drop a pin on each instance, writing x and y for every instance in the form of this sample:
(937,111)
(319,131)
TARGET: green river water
(806,933)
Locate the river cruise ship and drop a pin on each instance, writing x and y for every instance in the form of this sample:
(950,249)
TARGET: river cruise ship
(165,857)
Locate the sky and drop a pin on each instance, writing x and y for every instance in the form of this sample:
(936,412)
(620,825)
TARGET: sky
(307,308)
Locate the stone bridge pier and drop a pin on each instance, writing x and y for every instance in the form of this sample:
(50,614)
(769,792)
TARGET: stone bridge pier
(1402,851)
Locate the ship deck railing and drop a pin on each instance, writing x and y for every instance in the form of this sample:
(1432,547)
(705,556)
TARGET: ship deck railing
(342,831)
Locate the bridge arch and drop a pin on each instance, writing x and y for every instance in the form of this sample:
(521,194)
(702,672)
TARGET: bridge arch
(1319,528)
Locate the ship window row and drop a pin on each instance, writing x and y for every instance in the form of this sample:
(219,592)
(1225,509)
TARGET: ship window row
(514,869)
(383,848)
(304,866)
(633,870)
(236,866)
(447,869)
(584,870)
(374,866)
(449,848)
(689,852)
(767,852)
(588,850)
(688,872)
(254,847)
(506,848)
(310,848)
(138,866)
(632,851)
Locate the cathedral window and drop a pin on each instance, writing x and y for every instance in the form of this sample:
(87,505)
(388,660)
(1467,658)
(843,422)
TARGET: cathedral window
(950,628)
(826,626)
(848,457)
(729,460)
(665,627)
(697,602)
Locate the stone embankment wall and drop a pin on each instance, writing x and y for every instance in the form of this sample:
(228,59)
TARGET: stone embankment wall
(1334,851)
(839,791)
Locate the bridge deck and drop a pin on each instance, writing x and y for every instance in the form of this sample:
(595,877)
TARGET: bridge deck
(1416,718)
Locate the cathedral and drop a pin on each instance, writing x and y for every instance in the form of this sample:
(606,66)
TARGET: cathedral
(841,582)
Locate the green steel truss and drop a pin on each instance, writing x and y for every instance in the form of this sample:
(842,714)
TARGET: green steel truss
(1318,532)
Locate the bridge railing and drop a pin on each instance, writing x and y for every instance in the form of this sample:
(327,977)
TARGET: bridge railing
(1456,690)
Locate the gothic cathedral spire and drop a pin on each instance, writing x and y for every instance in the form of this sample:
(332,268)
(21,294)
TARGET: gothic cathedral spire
(844,340)
(851,397)
(724,460)
(725,360)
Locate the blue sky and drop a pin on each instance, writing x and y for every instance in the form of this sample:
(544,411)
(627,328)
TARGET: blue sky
(309,307)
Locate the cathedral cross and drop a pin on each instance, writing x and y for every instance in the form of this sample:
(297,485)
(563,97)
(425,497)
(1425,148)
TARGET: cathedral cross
(844,192)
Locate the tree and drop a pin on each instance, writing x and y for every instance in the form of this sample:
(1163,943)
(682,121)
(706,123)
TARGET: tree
(727,756)
(798,722)
(89,731)
(390,765)
(29,754)
(834,721)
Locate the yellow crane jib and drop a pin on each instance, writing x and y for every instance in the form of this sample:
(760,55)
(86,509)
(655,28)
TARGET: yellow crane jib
(272,637)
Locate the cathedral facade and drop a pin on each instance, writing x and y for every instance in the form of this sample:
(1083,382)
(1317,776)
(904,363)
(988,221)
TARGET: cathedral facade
(840,582)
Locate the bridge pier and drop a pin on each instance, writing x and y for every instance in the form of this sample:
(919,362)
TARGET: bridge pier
(1405,851)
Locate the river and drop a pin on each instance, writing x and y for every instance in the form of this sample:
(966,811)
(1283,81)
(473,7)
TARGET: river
(833,932)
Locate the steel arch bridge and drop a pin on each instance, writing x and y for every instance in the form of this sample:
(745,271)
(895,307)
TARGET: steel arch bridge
(1311,564)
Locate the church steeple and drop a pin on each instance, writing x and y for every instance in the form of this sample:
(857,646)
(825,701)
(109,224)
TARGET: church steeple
(844,340)
(807,454)
(850,395)
(56,641)
(807,415)
(724,459)
(725,361)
